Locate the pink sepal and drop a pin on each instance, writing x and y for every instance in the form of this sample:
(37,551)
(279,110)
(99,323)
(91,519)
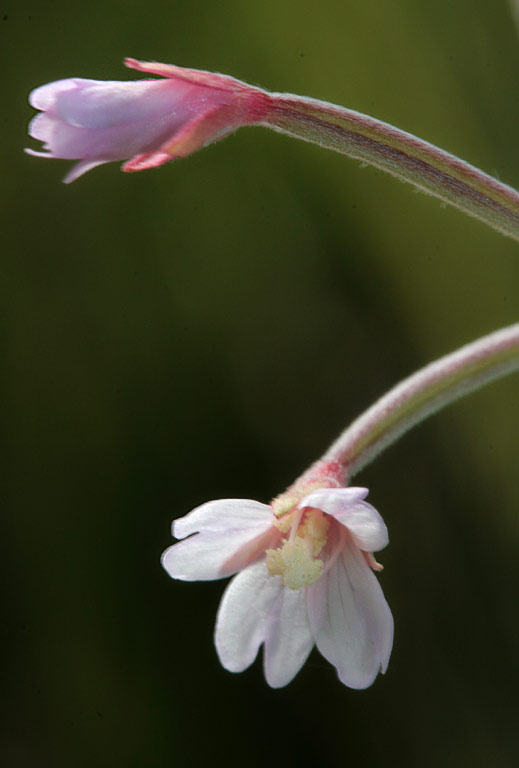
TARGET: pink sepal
(195,76)
(205,128)
(146,160)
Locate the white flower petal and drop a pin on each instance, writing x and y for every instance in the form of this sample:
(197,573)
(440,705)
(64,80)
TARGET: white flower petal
(244,616)
(348,508)
(351,620)
(215,555)
(223,515)
(256,608)
(289,639)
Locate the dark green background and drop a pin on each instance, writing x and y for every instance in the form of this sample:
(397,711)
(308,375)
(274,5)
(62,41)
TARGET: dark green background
(204,331)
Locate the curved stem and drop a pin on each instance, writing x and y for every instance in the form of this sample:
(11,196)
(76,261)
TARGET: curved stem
(424,393)
(399,153)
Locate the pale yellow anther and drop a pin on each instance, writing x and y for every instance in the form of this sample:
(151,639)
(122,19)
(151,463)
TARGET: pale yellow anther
(315,531)
(294,563)
(281,505)
(295,560)
(284,523)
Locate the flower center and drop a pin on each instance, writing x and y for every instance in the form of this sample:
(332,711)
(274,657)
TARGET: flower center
(296,559)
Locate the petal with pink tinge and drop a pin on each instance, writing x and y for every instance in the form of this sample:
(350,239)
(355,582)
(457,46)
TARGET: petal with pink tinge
(289,639)
(223,515)
(244,616)
(215,555)
(45,96)
(257,609)
(351,620)
(346,506)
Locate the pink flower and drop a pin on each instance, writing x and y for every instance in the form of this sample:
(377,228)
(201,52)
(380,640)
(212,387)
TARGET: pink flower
(149,121)
(304,576)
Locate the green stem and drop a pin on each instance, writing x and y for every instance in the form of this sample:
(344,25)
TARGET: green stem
(424,393)
(399,153)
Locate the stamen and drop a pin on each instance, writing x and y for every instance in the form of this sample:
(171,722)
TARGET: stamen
(336,550)
(370,559)
(295,560)
(315,530)
(294,564)
(284,523)
(295,524)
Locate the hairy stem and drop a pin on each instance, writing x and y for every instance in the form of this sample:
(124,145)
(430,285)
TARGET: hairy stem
(399,153)
(424,393)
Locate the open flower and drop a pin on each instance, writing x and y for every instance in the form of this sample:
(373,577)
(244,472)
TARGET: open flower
(305,576)
(149,121)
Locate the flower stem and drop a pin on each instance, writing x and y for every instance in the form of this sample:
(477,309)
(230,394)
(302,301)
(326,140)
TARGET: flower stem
(424,393)
(399,153)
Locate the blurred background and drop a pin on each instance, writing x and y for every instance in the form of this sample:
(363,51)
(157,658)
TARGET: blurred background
(204,331)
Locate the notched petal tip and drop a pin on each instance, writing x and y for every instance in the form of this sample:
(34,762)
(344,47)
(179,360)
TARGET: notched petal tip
(222,515)
(240,631)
